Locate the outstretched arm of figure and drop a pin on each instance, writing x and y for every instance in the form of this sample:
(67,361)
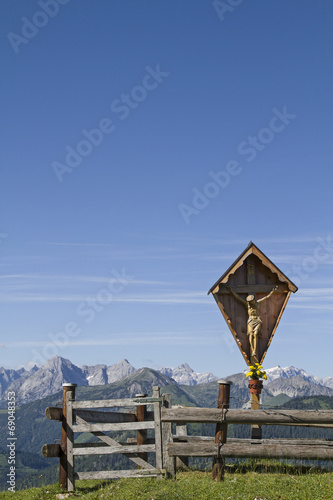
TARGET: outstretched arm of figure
(267,296)
(236,296)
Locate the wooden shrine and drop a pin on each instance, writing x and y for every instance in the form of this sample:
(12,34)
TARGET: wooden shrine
(252,295)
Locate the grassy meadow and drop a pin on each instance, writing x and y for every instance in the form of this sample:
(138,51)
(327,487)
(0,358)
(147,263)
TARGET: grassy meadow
(261,481)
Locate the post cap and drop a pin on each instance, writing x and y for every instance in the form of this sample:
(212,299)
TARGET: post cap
(223,381)
(68,384)
(143,395)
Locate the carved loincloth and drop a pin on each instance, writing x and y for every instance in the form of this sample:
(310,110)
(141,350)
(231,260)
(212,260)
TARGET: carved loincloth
(254,323)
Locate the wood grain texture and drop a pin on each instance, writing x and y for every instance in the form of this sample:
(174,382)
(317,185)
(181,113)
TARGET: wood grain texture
(158,429)
(169,463)
(70,441)
(116,448)
(241,450)
(118,474)
(54,413)
(127,426)
(51,450)
(109,403)
(264,417)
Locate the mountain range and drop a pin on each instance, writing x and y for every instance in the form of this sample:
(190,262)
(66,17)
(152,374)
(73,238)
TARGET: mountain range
(39,382)
(38,388)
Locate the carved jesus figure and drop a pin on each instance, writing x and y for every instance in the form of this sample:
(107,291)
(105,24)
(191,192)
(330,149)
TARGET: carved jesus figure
(254,322)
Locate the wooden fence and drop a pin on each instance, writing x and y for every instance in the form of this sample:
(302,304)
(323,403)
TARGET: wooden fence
(82,416)
(220,447)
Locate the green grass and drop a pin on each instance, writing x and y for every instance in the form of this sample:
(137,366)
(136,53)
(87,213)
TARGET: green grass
(264,481)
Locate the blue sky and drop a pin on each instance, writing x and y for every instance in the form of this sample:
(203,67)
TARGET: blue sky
(144,145)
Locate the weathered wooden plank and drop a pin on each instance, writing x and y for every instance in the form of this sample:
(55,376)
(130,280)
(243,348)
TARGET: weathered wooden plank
(254,288)
(90,445)
(257,450)
(265,417)
(299,442)
(169,463)
(193,439)
(276,324)
(158,430)
(51,450)
(141,415)
(91,416)
(54,413)
(63,478)
(70,441)
(110,403)
(127,426)
(111,450)
(117,474)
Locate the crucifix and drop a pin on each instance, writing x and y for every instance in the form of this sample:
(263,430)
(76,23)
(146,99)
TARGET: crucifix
(252,295)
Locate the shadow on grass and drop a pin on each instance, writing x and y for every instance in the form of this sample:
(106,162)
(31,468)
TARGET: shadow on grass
(93,485)
(262,466)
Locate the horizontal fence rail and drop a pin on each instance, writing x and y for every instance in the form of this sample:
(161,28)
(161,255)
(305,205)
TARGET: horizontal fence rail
(251,450)
(111,403)
(109,474)
(261,417)
(126,426)
(107,450)
(101,417)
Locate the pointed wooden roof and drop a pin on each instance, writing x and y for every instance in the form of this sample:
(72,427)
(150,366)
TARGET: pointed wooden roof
(253,249)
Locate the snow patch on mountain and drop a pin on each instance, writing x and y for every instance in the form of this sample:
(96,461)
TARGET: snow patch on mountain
(184,374)
(290,371)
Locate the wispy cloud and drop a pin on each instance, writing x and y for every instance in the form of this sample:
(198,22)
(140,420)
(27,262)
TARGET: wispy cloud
(160,298)
(313,298)
(156,338)
(65,278)
(60,288)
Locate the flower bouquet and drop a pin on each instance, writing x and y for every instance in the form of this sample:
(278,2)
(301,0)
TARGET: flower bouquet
(256,372)
(254,375)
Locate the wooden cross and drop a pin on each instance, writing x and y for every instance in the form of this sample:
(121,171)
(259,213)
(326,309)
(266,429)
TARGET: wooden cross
(252,274)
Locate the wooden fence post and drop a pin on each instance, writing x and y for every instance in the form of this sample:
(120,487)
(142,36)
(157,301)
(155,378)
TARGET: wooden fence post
(70,397)
(221,428)
(158,430)
(256,430)
(63,441)
(169,463)
(141,436)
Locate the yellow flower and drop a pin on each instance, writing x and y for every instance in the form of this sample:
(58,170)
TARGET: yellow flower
(249,374)
(265,376)
(252,367)
(256,364)
(258,372)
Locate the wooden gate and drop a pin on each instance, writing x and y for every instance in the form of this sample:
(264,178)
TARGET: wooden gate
(82,416)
